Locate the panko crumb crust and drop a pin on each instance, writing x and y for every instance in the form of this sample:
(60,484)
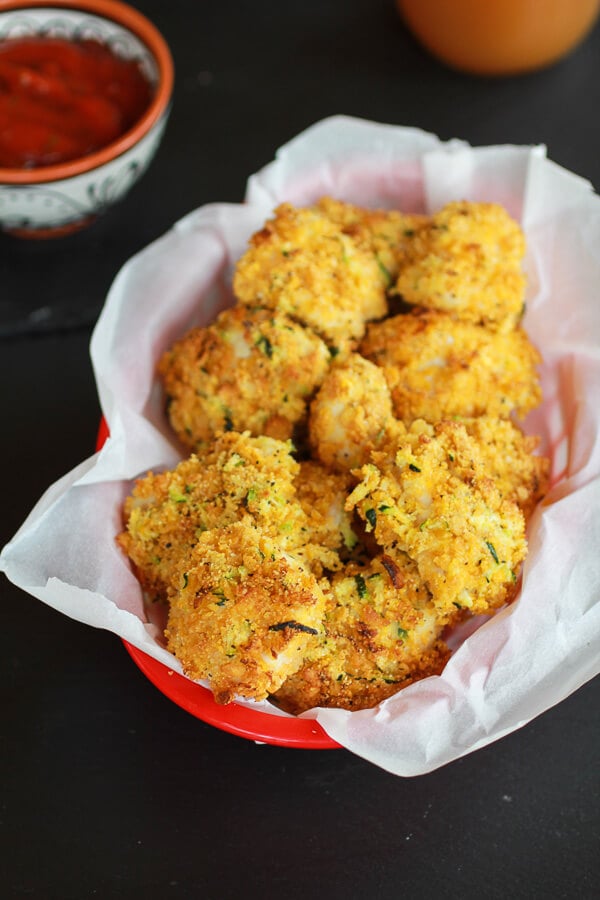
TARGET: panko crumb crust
(245,614)
(467,261)
(381,633)
(358,481)
(303,264)
(438,367)
(253,369)
(429,496)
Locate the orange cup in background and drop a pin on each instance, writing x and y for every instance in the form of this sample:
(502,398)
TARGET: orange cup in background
(499,37)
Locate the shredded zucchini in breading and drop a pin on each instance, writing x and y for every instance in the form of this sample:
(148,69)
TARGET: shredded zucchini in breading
(253,370)
(245,613)
(307,267)
(428,496)
(381,633)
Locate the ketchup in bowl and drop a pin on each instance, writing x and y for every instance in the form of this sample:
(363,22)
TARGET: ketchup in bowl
(62,99)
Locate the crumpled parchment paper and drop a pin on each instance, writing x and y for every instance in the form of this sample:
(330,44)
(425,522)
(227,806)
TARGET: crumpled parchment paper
(520,662)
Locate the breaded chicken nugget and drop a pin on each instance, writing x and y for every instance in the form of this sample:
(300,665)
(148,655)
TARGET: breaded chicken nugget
(388,234)
(167,512)
(437,367)
(381,633)
(467,262)
(244,614)
(251,369)
(351,414)
(302,264)
(509,458)
(430,497)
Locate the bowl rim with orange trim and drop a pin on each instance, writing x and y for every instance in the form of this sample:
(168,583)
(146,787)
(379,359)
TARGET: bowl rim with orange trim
(147,33)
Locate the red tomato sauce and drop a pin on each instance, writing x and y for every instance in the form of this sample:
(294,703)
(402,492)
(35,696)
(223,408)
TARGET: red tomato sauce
(61,99)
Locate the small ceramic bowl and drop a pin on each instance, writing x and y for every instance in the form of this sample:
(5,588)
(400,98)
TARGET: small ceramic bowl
(53,200)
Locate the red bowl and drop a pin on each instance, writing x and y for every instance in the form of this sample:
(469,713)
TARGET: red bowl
(255,725)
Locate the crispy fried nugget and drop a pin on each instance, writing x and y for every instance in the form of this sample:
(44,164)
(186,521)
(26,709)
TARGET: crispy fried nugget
(429,496)
(388,234)
(244,614)
(351,414)
(304,265)
(438,367)
(381,633)
(167,512)
(252,369)
(467,261)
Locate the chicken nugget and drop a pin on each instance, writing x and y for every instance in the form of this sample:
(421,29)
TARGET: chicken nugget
(437,367)
(167,512)
(351,414)
(304,265)
(467,261)
(382,632)
(251,369)
(429,496)
(244,614)
(388,234)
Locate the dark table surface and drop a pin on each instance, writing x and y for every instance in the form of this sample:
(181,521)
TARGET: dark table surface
(109,789)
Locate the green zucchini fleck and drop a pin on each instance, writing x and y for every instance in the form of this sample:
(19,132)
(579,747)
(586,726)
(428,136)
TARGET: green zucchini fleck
(361,587)
(177,496)
(265,345)
(371,517)
(384,271)
(492,550)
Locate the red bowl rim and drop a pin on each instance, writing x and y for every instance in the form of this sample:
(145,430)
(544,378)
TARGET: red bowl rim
(243,721)
(252,724)
(148,34)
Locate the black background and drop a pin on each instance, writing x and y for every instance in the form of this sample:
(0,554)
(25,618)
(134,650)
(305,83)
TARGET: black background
(108,789)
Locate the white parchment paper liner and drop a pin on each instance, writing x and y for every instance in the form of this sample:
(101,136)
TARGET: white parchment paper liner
(525,659)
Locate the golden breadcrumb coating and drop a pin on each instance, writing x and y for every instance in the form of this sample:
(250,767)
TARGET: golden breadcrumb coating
(302,264)
(244,614)
(322,495)
(381,633)
(251,369)
(429,496)
(437,367)
(167,512)
(510,460)
(351,414)
(331,581)
(387,234)
(467,261)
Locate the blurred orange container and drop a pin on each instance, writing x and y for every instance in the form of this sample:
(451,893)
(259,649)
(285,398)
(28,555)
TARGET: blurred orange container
(499,37)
